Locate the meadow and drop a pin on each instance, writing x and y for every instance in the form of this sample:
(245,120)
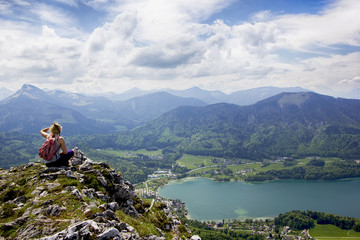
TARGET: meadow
(331,232)
(138,165)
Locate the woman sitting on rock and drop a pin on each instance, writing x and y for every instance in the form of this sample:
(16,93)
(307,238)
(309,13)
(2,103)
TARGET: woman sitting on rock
(60,158)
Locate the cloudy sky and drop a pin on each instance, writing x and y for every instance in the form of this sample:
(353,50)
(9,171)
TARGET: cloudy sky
(228,45)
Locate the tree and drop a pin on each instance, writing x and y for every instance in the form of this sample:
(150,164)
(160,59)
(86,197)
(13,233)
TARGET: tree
(316,162)
(296,220)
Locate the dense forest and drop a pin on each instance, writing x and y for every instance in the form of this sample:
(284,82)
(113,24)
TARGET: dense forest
(208,233)
(312,171)
(296,220)
(300,220)
(293,125)
(270,142)
(266,143)
(135,168)
(18,148)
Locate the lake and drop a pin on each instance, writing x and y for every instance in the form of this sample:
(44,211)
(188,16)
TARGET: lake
(209,200)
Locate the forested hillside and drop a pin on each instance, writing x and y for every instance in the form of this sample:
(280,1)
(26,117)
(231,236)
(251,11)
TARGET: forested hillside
(18,148)
(288,124)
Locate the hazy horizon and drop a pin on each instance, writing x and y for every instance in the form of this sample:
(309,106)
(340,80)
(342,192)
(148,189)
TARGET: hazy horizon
(5,92)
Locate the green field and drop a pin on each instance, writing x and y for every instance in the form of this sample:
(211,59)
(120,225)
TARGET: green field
(244,166)
(202,166)
(198,164)
(206,169)
(127,153)
(192,162)
(331,232)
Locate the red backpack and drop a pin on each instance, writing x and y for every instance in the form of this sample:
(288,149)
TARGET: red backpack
(47,150)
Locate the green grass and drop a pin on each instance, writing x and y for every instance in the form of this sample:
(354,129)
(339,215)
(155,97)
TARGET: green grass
(244,166)
(280,165)
(192,162)
(146,152)
(302,162)
(121,153)
(144,226)
(272,166)
(206,169)
(327,231)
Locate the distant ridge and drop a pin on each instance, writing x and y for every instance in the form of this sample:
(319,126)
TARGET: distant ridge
(251,96)
(147,107)
(241,98)
(28,91)
(287,124)
(4,93)
(131,93)
(209,97)
(104,114)
(31,109)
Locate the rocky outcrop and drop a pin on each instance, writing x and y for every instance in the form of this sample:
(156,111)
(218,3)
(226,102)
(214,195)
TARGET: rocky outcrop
(89,228)
(88,200)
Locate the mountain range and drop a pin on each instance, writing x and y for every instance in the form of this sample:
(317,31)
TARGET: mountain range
(31,108)
(242,97)
(288,124)
(4,93)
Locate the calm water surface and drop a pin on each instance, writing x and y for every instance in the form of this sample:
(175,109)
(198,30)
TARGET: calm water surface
(208,200)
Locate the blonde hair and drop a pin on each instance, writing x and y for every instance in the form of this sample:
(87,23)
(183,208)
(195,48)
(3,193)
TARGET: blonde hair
(55,128)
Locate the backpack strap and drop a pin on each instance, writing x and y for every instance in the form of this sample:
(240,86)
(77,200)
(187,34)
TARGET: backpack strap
(56,139)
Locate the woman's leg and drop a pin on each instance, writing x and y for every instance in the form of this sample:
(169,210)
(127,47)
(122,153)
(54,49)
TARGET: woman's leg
(63,160)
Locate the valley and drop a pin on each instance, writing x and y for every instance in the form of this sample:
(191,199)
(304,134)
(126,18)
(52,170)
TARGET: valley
(222,169)
(156,138)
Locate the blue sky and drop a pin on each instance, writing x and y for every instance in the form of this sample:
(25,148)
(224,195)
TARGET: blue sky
(241,11)
(228,45)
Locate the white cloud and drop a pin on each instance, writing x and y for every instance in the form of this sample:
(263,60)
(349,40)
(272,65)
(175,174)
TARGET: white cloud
(335,25)
(148,42)
(261,16)
(52,15)
(355,79)
(45,58)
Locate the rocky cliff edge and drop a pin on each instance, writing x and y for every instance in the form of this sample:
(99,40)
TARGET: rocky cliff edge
(86,201)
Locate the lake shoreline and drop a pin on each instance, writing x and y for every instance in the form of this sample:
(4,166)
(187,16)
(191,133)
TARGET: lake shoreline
(256,193)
